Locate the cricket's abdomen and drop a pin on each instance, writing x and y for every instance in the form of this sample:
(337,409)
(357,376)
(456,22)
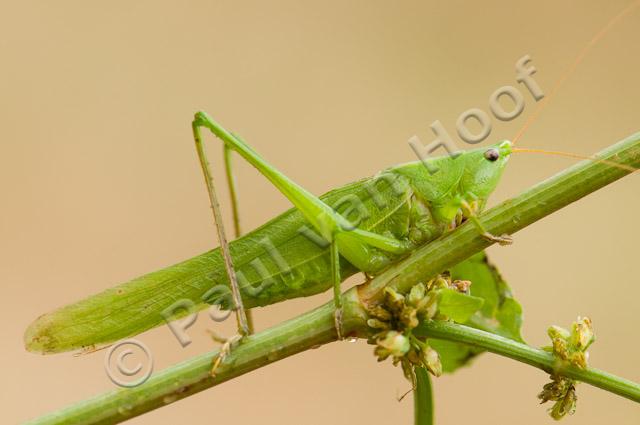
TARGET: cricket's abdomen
(282,259)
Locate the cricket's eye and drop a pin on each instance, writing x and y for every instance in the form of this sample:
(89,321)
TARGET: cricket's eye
(492,154)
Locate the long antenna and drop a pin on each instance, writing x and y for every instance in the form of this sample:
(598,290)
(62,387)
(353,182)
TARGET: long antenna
(577,156)
(571,69)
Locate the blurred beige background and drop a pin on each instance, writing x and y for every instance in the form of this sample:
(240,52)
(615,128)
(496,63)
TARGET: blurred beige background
(100,181)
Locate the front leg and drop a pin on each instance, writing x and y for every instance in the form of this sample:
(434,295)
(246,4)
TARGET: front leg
(471,212)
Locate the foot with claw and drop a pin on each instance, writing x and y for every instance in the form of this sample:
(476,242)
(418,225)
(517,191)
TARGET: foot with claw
(225,350)
(502,239)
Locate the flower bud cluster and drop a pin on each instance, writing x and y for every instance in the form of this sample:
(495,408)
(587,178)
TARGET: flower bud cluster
(562,390)
(571,347)
(396,317)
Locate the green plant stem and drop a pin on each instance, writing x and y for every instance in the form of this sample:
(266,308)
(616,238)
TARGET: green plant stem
(529,355)
(423,398)
(317,326)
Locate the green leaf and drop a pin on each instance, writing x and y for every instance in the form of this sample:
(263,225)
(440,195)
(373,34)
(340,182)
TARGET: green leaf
(457,306)
(499,313)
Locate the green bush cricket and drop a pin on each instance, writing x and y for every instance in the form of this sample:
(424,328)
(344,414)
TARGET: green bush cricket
(304,251)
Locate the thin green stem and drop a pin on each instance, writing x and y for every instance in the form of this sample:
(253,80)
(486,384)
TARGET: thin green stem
(317,326)
(423,398)
(529,355)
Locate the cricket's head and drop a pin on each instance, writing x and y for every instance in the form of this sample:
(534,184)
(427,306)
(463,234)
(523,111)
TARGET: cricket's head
(483,169)
(469,175)
(448,182)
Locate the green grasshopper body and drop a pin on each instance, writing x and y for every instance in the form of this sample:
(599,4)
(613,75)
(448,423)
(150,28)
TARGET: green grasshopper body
(285,258)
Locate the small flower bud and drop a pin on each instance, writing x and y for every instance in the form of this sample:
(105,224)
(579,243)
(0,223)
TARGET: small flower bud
(413,356)
(462,286)
(579,358)
(431,360)
(429,305)
(416,294)
(572,346)
(561,390)
(395,344)
(381,353)
(407,370)
(582,333)
(430,284)
(377,324)
(409,317)
(559,341)
(379,312)
(556,332)
(395,300)
(561,348)
(441,282)
(554,390)
(564,406)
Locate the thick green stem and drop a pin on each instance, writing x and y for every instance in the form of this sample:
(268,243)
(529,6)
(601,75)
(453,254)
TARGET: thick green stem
(529,355)
(317,326)
(309,330)
(423,398)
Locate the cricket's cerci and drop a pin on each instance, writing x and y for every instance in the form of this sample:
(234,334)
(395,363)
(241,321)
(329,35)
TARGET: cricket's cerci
(364,226)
